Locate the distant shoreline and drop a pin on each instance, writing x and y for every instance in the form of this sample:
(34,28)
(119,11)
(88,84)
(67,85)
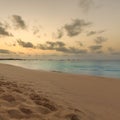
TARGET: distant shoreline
(47,59)
(61,72)
(107,69)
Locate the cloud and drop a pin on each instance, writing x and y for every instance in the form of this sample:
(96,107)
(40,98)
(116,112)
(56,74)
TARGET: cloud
(94,32)
(72,29)
(36,29)
(100,40)
(61,47)
(55,46)
(113,51)
(60,33)
(95,47)
(4,32)
(91,33)
(76,50)
(18,22)
(25,44)
(86,5)
(4,51)
(116,53)
(5,24)
(51,45)
(76,27)
(99,52)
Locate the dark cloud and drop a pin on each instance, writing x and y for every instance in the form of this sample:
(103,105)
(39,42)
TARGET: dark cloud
(100,40)
(60,47)
(76,50)
(51,45)
(91,33)
(4,51)
(4,32)
(94,32)
(95,47)
(25,44)
(76,27)
(72,29)
(57,44)
(86,5)
(54,46)
(18,22)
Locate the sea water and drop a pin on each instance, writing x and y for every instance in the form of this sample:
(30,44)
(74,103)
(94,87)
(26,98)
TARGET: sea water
(101,68)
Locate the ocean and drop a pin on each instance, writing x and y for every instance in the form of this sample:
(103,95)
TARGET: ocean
(103,68)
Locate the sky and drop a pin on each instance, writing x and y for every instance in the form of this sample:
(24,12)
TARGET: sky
(75,28)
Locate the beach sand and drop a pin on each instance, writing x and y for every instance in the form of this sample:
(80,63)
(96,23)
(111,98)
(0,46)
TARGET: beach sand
(40,95)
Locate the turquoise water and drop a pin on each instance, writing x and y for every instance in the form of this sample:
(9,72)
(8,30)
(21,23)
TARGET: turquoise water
(96,68)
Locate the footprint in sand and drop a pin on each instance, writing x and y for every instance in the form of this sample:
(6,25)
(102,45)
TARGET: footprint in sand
(42,102)
(13,113)
(26,110)
(72,117)
(24,104)
(2,90)
(8,98)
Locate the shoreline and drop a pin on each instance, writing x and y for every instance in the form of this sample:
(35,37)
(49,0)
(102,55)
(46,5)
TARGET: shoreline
(55,71)
(97,97)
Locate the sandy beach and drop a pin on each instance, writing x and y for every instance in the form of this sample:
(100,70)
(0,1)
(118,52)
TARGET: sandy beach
(40,95)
